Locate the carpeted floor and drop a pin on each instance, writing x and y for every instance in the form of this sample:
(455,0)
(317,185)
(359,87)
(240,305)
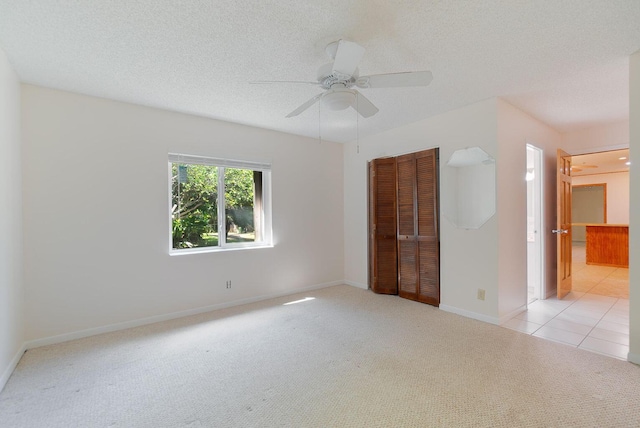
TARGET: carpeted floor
(348,358)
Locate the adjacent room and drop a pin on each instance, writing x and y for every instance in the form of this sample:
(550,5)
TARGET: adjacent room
(234,214)
(595,313)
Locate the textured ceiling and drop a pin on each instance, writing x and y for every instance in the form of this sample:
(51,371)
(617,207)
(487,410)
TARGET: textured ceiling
(565,62)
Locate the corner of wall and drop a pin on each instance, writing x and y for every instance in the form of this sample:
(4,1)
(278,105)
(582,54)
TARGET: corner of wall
(634,209)
(12,334)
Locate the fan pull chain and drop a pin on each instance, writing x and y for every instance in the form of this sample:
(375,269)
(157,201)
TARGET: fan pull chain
(319,120)
(357,124)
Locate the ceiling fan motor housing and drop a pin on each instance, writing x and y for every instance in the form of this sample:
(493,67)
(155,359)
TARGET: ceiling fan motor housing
(328,78)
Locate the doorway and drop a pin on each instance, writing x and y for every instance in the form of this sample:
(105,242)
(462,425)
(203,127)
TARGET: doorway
(600,197)
(535,244)
(590,317)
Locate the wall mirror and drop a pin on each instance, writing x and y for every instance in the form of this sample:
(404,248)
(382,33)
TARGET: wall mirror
(472,172)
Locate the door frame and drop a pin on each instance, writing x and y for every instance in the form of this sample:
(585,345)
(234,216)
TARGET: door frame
(584,151)
(539,212)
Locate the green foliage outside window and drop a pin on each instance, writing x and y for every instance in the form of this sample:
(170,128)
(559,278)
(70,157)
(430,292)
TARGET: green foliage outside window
(195,205)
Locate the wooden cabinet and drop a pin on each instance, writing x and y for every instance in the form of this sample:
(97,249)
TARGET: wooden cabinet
(608,244)
(415,263)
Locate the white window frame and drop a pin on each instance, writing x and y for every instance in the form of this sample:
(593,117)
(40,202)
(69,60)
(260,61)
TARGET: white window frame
(266,238)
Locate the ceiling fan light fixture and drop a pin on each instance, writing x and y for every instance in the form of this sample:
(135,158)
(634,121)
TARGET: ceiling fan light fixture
(339,100)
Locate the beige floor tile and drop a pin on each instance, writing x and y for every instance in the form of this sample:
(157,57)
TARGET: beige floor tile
(610,336)
(620,273)
(620,311)
(613,326)
(550,308)
(584,285)
(559,305)
(604,347)
(616,317)
(577,266)
(566,325)
(597,270)
(622,304)
(557,335)
(593,317)
(590,275)
(535,317)
(596,310)
(612,287)
(590,321)
(573,296)
(521,325)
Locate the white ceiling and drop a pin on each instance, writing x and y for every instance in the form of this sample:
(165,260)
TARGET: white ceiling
(563,61)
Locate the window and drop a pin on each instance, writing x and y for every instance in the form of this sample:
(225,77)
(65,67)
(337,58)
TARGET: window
(218,204)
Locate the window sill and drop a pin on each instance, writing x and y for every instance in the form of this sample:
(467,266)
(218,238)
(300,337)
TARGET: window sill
(186,251)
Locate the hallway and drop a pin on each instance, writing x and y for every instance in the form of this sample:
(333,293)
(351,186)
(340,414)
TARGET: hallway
(594,316)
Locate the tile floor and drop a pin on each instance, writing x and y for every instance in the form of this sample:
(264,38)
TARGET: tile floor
(594,316)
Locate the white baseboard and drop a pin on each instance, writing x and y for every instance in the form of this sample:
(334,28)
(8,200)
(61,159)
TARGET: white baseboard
(633,358)
(507,317)
(166,317)
(469,314)
(12,366)
(356,284)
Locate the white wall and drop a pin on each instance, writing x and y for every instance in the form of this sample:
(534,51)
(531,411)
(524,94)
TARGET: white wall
(96,206)
(601,138)
(493,257)
(469,258)
(11,292)
(634,220)
(617,194)
(516,129)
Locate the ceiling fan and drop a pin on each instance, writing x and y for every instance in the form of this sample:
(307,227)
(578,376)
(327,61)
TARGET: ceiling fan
(338,78)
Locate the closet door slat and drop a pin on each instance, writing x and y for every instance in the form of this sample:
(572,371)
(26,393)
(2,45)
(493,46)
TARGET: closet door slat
(383,264)
(427,230)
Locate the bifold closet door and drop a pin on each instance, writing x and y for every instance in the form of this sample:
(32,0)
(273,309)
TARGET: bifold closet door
(383,273)
(418,242)
(407,238)
(427,209)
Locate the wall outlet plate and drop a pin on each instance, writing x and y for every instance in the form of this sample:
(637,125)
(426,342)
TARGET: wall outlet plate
(481,294)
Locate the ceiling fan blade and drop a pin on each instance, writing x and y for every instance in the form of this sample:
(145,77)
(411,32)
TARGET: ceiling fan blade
(395,80)
(364,106)
(264,82)
(348,56)
(306,105)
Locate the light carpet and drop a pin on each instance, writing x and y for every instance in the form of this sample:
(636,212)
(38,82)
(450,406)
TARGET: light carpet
(348,358)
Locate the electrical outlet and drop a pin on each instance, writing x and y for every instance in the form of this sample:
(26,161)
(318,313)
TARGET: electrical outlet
(481,294)
(229,284)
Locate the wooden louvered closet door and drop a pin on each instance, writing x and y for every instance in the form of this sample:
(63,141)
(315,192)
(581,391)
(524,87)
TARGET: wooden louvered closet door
(407,238)
(383,275)
(415,258)
(418,243)
(428,287)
